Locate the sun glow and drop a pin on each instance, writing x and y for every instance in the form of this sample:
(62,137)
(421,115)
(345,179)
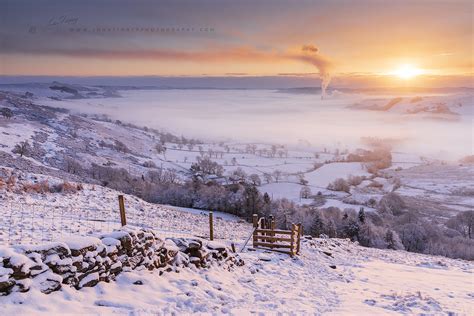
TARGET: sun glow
(407,71)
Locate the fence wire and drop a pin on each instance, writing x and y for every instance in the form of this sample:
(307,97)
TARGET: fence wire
(33,223)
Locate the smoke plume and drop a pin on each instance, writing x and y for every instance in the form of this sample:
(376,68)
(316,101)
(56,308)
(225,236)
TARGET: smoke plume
(311,55)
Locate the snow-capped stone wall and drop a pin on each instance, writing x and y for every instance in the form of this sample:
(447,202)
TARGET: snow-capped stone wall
(85,261)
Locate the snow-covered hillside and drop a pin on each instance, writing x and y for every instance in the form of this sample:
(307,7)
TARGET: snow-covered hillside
(59,139)
(61,173)
(331,277)
(30,217)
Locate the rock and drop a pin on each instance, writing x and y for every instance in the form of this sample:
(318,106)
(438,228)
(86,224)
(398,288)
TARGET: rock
(264,257)
(327,253)
(89,280)
(82,245)
(45,250)
(85,261)
(48,282)
(22,286)
(6,286)
(20,268)
(332,266)
(181,260)
(187,245)
(215,245)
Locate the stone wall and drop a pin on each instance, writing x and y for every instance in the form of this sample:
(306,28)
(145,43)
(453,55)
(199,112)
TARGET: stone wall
(85,261)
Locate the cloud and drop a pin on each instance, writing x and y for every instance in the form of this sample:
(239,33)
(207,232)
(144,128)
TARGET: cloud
(309,48)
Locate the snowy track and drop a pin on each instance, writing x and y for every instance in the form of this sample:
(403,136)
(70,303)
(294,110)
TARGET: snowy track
(333,277)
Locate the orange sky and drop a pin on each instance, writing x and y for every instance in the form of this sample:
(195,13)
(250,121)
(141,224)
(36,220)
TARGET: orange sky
(248,37)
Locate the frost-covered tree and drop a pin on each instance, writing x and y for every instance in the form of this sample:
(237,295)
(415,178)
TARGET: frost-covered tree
(6,113)
(207,167)
(23,148)
(301,179)
(339,185)
(463,223)
(277,174)
(72,166)
(351,229)
(255,179)
(413,237)
(119,146)
(268,177)
(391,203)
(266,198)
(393,240)
(305,192)
(238,175)
(318,226)
(362,215)
(160,149)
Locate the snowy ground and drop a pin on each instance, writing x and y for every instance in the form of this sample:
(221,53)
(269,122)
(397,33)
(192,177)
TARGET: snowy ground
(330,276)
(32,217)
(333,277)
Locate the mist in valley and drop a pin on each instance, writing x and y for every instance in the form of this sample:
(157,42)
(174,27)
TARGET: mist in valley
(286,118)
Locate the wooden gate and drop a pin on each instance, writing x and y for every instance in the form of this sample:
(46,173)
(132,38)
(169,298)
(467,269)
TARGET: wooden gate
(266,236)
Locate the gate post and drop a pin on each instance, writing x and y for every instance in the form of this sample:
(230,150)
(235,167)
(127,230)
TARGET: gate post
(271,226)
(255,227)
(292,244)
(300,232)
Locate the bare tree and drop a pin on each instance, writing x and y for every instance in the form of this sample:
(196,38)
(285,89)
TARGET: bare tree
(463,223)
(305,192)
(238,175)
(301,179)
(22,148)
(255,179)
(72,166)
(268,177)
(277,174)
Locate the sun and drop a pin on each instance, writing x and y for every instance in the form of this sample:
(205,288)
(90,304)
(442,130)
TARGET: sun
(407,71)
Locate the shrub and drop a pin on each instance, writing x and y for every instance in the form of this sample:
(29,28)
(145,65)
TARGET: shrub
(393,240)
(40,187)
(463,223)
(69,187)
(6,113)
(149,164)
(392,204)
(339,185)
(371,236)
(413,237)
(72,166)
(354,180)
(121,147)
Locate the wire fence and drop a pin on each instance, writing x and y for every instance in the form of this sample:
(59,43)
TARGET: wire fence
(33,223)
